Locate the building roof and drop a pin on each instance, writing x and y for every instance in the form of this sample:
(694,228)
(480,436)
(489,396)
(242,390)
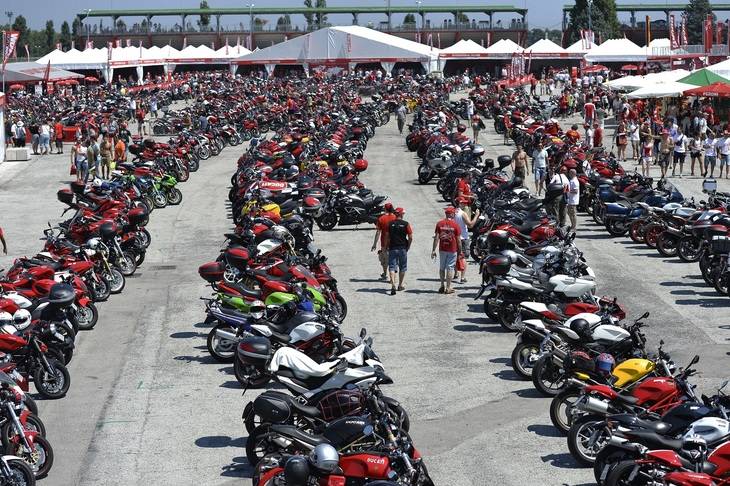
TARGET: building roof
(617,50)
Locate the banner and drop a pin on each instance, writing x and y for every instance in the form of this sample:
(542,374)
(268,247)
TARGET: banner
(140,50)
(27,52)
(489,38)
(683,41)
(707,34)
(10,40)
(529,63)
(47,73)
(109,52)
(185,41)
(672,37)
(89,44)
(438,39)
(718,33)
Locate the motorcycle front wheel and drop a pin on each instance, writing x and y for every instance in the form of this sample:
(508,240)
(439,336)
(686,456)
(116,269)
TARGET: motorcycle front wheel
(116,280)
(328,221)
(561,408)
(40,459)
(174,196)
(547,377)
(666,244)
(688,249)
(586,438)
(424,174)
(53,384)
(222,350)
(522,359)
(21,474)
(87,316)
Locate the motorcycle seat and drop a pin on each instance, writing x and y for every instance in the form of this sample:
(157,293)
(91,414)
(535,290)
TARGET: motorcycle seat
(653,440)
(293,432)
(246,292)
(627,399)
(527,227)
(304,409)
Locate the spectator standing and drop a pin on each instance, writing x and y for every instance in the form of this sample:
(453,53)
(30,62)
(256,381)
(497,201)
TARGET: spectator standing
(476,125)
(79,157)
(2,240)
(400,115)
(58,135)
(446,237)
(465,221)
(621,140)
(381,232)
(140,114)
(45,138)
(573,198)
(120,152)
(709,144)
(539,166)
(635,138)
(398,240)
(106,150)
(559,204)
(35,136)
(597,135)
(666,148)
(724,146)
(19,133)
(519,162)
(694,144)
(647,154)
(680,151)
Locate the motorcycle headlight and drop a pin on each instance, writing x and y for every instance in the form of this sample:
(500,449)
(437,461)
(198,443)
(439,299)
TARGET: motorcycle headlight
(52,328)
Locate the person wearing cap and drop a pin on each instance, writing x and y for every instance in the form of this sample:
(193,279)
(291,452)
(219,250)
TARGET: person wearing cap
(381,231)
(465,221)
(446,236)
(398,240)
(573,198)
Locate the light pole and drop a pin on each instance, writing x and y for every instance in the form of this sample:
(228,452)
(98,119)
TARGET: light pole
(390,27)
(9,14)
(250,28)
(88,27)
(418,14)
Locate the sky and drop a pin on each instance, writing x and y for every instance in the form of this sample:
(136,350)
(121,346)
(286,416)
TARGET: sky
(542,13)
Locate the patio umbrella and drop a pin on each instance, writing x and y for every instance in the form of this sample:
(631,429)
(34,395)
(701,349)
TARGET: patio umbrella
(91,79)
(595,69)
(15,87)
(703,77)
(714,90)
(629,67)
(72,81)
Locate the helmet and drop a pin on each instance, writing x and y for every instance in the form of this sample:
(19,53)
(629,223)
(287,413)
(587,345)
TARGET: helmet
(5,319)
(257,309)
(694,446)
(581,327)
(345,170)
(93,243)
(292,172)
(96,183)
(296,471)
(461,128)
(21,319)
(360,165)
(325,458)
(605,364)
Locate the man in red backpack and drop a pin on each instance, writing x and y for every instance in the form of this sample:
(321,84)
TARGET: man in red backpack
(447,236)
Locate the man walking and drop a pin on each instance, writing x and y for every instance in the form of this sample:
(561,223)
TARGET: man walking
(446,236)
(539,166)
(573,198)
(466,221)
(398,241)
(381,231)
(559,204)
(400,115)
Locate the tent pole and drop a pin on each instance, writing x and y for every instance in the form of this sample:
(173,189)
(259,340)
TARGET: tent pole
(3,90)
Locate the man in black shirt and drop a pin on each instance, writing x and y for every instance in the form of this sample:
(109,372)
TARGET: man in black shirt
(398,241)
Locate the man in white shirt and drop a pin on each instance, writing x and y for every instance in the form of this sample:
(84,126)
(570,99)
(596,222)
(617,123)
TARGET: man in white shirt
(573,198)
(558,206)
(539,166)
(680,151)
(724,146)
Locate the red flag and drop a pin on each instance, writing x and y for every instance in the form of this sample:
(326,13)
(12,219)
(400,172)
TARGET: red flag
(438,39)
(718,33)
(672,36)
(47,74)
(707,37)
(10,40)
(489,38)
(129,42)
(684,30)
(27,52)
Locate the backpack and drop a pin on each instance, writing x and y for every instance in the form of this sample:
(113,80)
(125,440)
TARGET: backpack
(19,132)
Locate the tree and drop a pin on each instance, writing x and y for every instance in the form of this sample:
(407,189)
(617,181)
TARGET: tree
(603,19)
(283,23)
(21,26)
(534,35)
(320,19)
(409,19)
(462,18)
(77,27)
(121,26)
(65,37)
(204,21)
(50,35)
(308,16)
(697,12)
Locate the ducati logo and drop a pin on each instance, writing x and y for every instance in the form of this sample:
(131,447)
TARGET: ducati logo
(376,460)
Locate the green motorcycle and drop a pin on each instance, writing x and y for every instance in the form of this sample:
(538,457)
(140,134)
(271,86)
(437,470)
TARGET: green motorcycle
(166,185)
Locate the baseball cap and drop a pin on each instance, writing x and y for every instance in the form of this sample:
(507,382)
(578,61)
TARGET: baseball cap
(400,211)
(388,206)
(450,210)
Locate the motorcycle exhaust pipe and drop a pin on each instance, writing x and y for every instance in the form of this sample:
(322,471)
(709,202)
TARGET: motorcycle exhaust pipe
(227,335)
(282,442)
(594,405)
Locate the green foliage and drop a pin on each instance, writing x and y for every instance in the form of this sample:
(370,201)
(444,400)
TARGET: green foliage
(409,19)
(20,25)
(76,27)
(283,22)
(462,18)
(697,11)
(50,35)
(320,20)
(65,37)
(308,16)
(603,19)
(534,35)
(204,21)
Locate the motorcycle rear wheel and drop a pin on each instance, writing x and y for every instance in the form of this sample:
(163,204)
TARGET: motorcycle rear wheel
(688,249)
(328,221)
(547,377)
(424,174)
(491,307)
(507,316)
(586,438)
(159,200)
(616,227)
(607,458)
(666,245)
(100,290)
(521,359)
(258,444)
(248,376)
(622,474)
(721,283)
(636,232)
(222,350)
(651,235)
(560,409)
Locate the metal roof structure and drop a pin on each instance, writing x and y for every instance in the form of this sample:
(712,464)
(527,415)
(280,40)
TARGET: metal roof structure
(383,9)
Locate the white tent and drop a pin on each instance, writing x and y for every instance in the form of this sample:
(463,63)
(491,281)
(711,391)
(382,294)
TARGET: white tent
(617,50)
(465,49)
(668,89)
(232,52)
(546,49)
(721,69)
(347,45)
(503,49)
(636,82)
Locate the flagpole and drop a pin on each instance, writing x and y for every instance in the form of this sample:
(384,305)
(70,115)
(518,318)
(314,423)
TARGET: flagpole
(3,61)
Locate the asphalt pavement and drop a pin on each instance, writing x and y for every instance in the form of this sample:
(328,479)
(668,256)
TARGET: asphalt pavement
(147,404)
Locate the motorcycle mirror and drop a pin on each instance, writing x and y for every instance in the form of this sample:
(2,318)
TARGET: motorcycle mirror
(645,315)
(368,430)
(695,360)
(661,342)
(724,384)
(363,333)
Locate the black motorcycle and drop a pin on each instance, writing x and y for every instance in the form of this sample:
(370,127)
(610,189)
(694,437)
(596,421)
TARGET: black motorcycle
(349,208)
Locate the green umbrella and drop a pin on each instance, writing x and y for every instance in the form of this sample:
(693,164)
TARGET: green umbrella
(703,77)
